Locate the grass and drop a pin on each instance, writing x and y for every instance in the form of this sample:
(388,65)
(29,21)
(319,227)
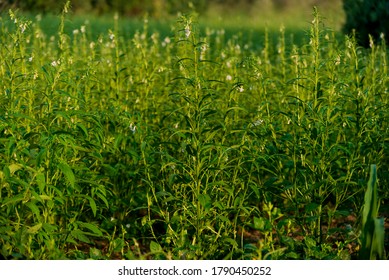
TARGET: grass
(196,144)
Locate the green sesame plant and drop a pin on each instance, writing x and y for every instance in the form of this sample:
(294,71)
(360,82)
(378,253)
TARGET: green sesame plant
(372,238)
(122,140)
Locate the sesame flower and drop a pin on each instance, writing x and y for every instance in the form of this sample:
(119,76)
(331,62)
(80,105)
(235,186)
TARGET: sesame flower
(133,127)
(187,32)
(55,63)
(257,123)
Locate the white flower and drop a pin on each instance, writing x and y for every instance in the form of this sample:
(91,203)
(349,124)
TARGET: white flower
(23,27)
(240,88)
(111,35)
(133,127)
(187,32)
(337,61)
(228,78)
(92,45)
(30,58)
(54,63)
(257,123)
(166,41)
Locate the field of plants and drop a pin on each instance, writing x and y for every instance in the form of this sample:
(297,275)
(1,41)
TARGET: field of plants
(188,143)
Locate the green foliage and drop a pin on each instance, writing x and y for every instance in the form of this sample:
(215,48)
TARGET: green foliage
(196,145)
(372,227)
(367,17)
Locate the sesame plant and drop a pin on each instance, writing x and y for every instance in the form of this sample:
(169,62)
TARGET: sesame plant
(197,144)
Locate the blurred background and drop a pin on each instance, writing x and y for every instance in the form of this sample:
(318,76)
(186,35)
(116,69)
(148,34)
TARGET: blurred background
(362,16)
(162,9)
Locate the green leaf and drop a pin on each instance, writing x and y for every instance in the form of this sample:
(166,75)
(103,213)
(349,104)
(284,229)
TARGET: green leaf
(14,167)
(262,224)
(80,235)
(50,229)
(34,229)
(93,228)
(92,205)
(379,238)
(205,201)
(103,198)
(311,207)
(83,129)
(41,181)
(67,171)
(231,241)
(13,199)
(155,247)
(34,209)
(370,226)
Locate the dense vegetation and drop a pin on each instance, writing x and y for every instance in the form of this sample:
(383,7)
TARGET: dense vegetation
(367,18)
(196,145)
